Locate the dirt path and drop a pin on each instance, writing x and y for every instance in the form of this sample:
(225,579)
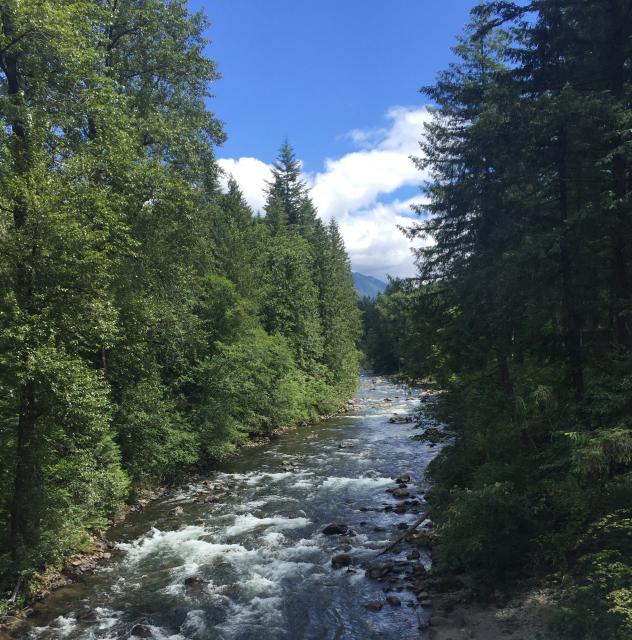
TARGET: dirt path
(525,617)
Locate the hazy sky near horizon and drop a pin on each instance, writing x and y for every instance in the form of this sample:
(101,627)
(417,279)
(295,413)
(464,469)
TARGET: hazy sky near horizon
(340,80)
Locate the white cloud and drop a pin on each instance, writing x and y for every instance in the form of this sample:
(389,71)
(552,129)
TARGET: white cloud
(357,179)
(352,189)
(251,175)
(376,245)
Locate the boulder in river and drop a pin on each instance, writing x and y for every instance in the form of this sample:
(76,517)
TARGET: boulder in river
(194,583)
(89,615)
(403,479)
(431,435)
(176,511)
(398,419)
(336,528)
(341,560)
(379,571)
(394,601)
(140,631)
(374,605)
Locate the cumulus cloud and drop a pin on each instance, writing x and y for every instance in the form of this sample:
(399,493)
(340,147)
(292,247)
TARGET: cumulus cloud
(381,167)
(355,189)
(251,175)
(375,243)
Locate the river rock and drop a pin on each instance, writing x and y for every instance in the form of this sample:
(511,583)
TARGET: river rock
(400,492)
(419,570)
(141,631)
(90,615)
(397,419)
(341,560)
(374,605)
(403,479)
(176,511)
(431,435)
(379,571)
(336,528)
(194,583)
(394,601)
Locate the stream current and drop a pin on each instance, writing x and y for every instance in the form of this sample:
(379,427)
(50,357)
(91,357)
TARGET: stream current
(242,556)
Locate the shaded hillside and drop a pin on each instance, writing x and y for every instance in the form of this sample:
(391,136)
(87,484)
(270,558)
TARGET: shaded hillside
(368,286)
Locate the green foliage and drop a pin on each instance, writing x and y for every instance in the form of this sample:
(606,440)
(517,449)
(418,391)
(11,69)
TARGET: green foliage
(247,388)
(156,440)
(521,305)
(148,322)
(485,530)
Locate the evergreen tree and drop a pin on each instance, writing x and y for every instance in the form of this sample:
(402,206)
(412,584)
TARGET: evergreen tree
(520,308)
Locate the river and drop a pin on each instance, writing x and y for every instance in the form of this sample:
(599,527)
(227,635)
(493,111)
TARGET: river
(242,556)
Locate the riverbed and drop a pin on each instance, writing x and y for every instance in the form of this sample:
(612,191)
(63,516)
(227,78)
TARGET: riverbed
(240,555)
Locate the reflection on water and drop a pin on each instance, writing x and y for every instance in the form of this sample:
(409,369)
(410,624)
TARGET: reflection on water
(244,558)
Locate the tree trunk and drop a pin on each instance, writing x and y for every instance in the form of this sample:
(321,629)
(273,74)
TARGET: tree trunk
(572,329)
(23,286)
(621,22)
(504,375)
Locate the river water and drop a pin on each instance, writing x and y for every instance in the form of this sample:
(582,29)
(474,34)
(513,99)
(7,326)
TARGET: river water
(244,558)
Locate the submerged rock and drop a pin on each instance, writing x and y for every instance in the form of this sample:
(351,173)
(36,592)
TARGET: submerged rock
(336,528)
(374,605)
(394,601)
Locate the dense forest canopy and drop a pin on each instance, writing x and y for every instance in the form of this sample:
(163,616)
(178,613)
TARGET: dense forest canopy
(149,322)
(522,306)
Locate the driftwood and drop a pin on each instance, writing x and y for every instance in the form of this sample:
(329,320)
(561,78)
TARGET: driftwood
(17,591)
(406,533)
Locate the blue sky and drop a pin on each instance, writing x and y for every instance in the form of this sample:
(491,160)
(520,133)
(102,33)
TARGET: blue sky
(341,81)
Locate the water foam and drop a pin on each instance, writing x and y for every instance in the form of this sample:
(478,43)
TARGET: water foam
(334,483)
(249,522)
(185,545)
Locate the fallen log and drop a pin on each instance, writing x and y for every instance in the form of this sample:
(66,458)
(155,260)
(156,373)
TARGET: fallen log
(406,533)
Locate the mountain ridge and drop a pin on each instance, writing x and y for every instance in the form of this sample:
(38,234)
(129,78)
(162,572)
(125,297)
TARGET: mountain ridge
(368,286)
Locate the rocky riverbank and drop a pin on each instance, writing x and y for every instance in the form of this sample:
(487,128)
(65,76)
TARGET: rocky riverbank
(329,521)
(98,549)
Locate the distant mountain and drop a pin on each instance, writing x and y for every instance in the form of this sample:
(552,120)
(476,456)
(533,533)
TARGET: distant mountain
(368,286)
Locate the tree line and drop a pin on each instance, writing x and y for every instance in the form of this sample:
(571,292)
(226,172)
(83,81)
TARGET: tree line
(522,305)
(150,322)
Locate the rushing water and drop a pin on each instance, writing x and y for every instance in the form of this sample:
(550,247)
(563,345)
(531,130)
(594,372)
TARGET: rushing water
(253,563)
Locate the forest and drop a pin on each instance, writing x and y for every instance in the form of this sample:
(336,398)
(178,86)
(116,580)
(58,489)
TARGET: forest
(150,322)
(521,309)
